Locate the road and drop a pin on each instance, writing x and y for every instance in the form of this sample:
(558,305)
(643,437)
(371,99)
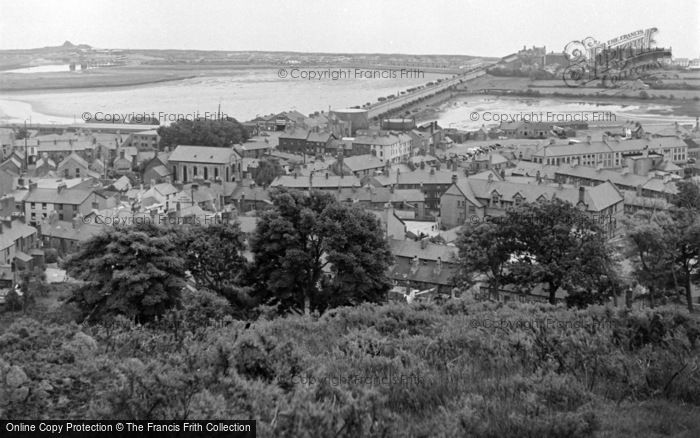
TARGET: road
(397,102)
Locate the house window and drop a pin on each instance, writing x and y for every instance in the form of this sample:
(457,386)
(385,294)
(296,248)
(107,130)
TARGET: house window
(59,206)
(43,205)
(184,173)
(472,209)
(60,216)
(66,173)
(77,172)
(494,199)
(33,205)
(206,172)
(194,171)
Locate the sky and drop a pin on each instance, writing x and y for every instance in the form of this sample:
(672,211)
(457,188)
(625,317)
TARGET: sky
(462,27)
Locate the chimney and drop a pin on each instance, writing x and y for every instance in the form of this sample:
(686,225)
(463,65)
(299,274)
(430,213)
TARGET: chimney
(432,171)
(454,178)
(61,187)
(490,178)
(326,175)
(77,221)
(153,182)
(311,180)
(551,141)
(32,185)
(581,195)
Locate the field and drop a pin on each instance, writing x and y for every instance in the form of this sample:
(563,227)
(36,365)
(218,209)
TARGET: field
(458,369)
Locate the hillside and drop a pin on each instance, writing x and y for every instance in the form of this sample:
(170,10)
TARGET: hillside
(456,369)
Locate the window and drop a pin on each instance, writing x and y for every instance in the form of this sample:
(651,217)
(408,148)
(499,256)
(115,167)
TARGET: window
(206,172)
(43,205)
(33,205)
(59,206)
(194,170)
(472,209)
(77,172)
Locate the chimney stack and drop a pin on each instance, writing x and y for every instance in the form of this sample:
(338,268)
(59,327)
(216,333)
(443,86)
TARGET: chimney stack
(61,187)
(582,195)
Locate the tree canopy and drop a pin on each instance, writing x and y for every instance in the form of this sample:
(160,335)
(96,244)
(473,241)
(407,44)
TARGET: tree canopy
(134,271)
(203,132)
(311,252)
(213,255)
(549,242)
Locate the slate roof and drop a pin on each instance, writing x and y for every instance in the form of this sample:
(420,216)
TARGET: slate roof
(358,163)
(18,230)
(73,196)
(203,154)
(411,248)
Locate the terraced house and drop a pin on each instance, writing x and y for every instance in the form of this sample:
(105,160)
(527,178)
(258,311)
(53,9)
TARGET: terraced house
(610,152)
(66,202)
(387,146)
(471,200)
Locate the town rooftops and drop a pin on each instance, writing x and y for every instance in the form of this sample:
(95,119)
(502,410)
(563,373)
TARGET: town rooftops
(417,177)
(203,154)
(317,181)
(10,234)
(295,134)
(72,196)
(424,250)
(596,198)
(381,195)
(358,163)
(608,145)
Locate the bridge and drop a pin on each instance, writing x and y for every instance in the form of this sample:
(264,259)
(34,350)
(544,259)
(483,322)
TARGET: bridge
(385,106)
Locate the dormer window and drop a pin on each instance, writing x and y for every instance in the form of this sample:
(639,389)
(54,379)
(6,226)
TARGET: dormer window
(517,199)
(494,199)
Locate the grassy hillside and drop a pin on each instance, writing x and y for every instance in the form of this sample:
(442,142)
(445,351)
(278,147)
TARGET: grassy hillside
(458,369)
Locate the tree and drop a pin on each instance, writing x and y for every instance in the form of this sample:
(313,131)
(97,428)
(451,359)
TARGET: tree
(203,132)
(558,244)
(685,234)
(485,250)
(213,255)
(266,172)
(650,249)
(311,252)
(133,271)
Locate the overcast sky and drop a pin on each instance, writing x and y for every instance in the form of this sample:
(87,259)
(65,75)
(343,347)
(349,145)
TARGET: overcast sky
(467,27)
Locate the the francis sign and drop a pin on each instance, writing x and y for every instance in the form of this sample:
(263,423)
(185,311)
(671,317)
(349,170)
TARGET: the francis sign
(614,62)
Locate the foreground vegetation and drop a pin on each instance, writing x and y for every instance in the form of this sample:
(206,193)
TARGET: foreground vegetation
(457,369)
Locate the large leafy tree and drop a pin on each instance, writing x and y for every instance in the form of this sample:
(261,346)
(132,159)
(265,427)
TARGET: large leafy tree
(650,250)
(685,235)
(203,132)
(311,252)
(213,254)
(134,271)
(266,172)
(557,244)
(485,250)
